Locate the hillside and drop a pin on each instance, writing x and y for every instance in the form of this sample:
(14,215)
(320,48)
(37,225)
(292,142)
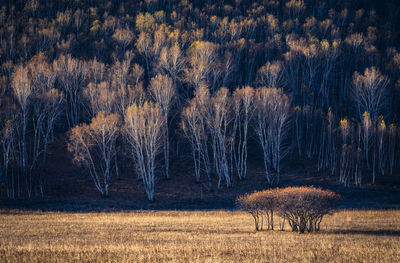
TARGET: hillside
(70,189)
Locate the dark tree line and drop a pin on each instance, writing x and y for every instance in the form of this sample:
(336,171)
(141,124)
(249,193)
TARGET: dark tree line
(125,80)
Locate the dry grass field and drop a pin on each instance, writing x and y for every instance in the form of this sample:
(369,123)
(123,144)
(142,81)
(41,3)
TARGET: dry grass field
(210,236)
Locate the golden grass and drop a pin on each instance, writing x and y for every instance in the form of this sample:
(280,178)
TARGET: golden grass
(212,236)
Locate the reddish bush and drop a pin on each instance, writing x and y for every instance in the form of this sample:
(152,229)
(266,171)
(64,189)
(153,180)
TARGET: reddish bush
(302,207)
(260,205)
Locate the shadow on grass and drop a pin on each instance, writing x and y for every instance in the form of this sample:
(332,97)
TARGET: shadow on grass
(368,232)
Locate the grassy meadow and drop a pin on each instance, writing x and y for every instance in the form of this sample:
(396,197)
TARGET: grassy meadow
(198,236)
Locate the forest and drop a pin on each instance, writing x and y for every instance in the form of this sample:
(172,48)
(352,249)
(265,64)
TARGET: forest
(134,87)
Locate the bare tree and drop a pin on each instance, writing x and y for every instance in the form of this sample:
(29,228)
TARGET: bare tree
(299,129)
(201,62)
(194,125)
(217,123)
(381,140)
(228,67)
(329,57)
(327,152)
(79,19)
(143,132)
(124,38)
(93,146)
(345,156)
(242,108)
(160,37)
(8,138)
(358,167)
(144,22)
(271,126)
(47,37)
(22,88)
(280,125)
(144,46)
(119,74)
(368,136)
(100,98)
(191,121)
(46,108)
(271,75)
(71,74)
(128,84)
(53,103)
(261,125)
(172,62)
(295,8)
(392,146)
(41,104)
(97,71)
(370,92)
(163,92)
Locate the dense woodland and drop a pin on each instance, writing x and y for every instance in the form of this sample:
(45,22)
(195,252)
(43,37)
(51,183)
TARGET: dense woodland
(134,84)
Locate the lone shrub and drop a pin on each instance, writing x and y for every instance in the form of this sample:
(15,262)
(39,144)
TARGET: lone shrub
(302,207)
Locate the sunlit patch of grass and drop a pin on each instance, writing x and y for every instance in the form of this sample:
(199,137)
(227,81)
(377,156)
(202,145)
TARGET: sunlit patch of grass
(209,236)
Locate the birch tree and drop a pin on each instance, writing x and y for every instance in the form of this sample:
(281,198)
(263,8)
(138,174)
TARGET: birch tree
(53,104)
(7,139)
(47,103)
(93,147)
(201,62)
(381,140)
(22,89)
(271,75)
(163,92)
(345,156)
(143,132)
(217,122)
(40,104)
(97,71)
(100,98)
(144,46)
(369,92)
(367,136)
(128,85)
(191,121)
(124,38)
(280,128)
(327,152)
(242,109)
(270,124)
(71,74)
(194,125)
(127,88)
(172,62)
(392,146)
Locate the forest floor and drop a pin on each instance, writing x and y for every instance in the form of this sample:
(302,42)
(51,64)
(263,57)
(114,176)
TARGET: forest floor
(194,236)
(70,188)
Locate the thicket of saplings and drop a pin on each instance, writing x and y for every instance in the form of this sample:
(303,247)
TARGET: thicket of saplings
(301,207)
(125,80)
